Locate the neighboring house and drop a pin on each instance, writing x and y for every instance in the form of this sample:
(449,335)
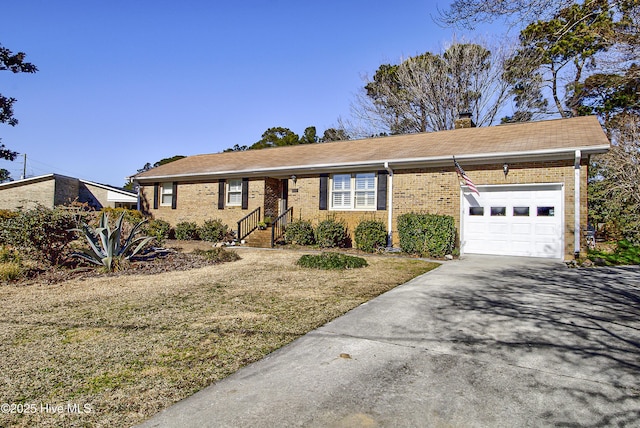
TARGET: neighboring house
(531,177)
(53,190)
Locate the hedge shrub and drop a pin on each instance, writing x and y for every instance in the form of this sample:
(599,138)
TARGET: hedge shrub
(41,233)
(186,231)
(331,261)
(371,235)
(299,232)
(159,229)
(429,235)
(213,230)
(331,233)
(130,216)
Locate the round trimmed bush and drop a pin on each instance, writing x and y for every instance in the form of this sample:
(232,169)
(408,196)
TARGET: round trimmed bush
(371,235)
(159,229)
(299,232)
(213,230)
(331,234)
(186,231)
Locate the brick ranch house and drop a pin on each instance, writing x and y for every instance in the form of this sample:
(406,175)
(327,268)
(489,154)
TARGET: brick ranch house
(531,178)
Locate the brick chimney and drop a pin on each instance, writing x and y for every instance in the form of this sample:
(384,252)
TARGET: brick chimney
(464,121)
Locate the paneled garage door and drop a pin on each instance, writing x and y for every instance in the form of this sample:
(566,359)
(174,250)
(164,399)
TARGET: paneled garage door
(514,220)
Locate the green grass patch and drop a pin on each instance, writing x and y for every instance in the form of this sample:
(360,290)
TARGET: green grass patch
(624,254)
(331,261)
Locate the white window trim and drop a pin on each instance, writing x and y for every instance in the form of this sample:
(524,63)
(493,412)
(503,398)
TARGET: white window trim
(166,189)
(353,191)
(230,192)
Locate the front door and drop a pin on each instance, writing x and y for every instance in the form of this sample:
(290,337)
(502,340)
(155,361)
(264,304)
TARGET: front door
(283,202)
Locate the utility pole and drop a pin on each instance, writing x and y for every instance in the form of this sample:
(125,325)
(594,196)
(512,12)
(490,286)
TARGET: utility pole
(24,168)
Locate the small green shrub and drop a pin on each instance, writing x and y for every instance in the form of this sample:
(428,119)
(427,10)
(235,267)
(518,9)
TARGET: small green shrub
(299,232)
(213,230)
(130,216)
(10,271)
(186,230)
(158,229)
(625,254)
(429,235)
(330,261)
(218,255)
(371,235)
(330,234)
(41,233)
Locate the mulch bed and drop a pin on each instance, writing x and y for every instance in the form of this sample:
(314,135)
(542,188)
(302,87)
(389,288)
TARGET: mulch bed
(155,263)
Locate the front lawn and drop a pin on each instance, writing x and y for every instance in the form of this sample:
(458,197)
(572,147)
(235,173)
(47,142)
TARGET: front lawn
(113,350)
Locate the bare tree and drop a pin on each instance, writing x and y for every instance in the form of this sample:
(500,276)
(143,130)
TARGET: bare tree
(428,92)
(614,188)
(469,13)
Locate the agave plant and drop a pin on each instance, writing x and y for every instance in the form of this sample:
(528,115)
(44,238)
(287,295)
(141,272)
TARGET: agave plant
(107,245)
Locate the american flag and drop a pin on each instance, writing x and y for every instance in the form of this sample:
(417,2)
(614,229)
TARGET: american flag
(463,175)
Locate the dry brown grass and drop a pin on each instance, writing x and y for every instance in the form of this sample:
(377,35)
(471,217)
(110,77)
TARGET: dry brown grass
(128,346)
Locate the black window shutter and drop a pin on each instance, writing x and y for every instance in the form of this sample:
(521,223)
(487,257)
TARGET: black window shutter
(174,196)
(245,193)
(382,190)
(324,191)
(156,190)
(221,193)
(285,191)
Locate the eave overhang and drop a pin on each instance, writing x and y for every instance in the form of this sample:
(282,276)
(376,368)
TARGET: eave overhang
(397,164)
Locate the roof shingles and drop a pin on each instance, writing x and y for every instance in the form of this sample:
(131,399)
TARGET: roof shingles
(551,135)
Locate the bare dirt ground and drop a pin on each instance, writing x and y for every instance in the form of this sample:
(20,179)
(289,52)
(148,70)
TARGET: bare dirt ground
(111,350)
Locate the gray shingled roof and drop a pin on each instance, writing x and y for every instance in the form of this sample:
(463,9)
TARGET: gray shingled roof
(551,139)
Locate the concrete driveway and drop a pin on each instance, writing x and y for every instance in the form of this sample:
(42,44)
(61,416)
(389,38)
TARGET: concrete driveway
(479,342)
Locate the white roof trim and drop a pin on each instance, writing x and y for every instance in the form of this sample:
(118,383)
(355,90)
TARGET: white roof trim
(110,188)
(26,180)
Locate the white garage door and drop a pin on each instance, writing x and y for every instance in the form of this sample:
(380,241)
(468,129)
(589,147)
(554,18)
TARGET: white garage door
(513,220)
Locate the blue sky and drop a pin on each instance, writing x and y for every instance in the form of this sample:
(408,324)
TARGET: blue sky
(122,83)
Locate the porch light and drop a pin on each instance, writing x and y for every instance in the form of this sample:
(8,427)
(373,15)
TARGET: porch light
(505,169)
(294,179)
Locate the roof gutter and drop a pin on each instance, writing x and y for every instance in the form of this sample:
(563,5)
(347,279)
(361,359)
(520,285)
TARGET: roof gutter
(434,161)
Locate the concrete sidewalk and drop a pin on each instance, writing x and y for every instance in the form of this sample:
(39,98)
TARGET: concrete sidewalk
(479,342)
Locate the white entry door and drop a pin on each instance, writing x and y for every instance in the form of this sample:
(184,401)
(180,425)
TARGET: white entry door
(514,220)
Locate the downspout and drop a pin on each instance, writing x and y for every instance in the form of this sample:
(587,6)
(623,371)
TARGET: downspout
(389,206)
(576,210)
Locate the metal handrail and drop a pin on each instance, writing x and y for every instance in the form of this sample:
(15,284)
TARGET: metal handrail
(248,223)
(279,224)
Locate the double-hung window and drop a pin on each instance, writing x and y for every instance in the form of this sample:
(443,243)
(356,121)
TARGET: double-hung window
(234,193)
(365,191)
(353,191)
(166,194)
(341,192)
